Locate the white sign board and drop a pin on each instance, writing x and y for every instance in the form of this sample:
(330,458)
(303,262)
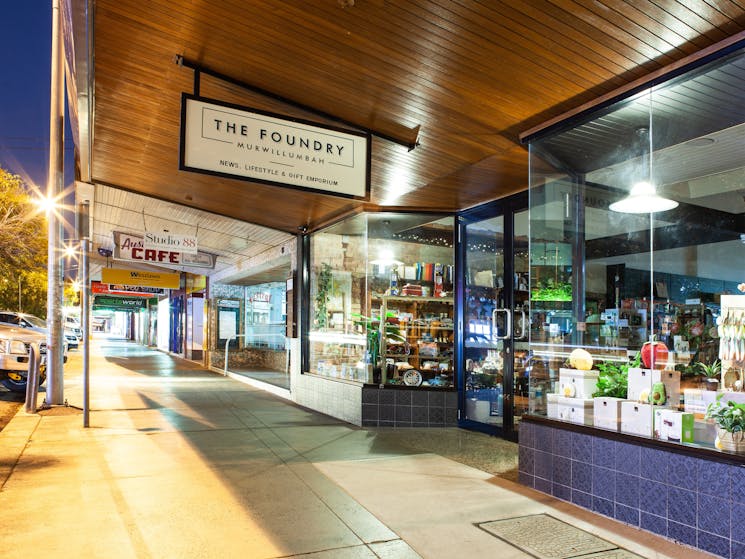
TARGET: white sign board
(238,142)
(227,325)
(131,248)
(184,244)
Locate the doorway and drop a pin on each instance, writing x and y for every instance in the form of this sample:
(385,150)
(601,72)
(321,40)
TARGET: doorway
(494,356)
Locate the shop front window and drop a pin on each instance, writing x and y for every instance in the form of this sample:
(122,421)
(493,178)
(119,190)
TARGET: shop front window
(637,232)
(382,301)
(266,314)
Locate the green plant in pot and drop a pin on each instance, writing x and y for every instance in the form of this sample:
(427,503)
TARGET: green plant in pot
(613,378)
(371,328)
(712,372)
(730,420)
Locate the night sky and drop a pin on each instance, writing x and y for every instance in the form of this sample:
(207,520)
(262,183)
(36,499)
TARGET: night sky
(25,44)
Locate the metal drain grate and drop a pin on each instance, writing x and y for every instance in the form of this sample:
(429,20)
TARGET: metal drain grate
(546,537)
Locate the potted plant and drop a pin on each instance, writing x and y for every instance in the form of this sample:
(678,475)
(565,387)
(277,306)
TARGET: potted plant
(711,372)
(322,295)
(371,327)
(613,378)
(730,420)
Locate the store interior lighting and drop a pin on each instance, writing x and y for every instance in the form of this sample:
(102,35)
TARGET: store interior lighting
(643,199)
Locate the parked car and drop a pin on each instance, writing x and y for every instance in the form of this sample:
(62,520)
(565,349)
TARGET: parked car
(31,322)
(15,348)
(72,323)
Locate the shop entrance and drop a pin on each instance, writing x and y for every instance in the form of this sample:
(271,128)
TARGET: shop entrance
(495,298)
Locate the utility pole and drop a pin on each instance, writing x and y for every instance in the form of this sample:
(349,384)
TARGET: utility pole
(55,180)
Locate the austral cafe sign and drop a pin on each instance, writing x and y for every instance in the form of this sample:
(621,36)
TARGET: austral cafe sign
(239,142)
(132,248)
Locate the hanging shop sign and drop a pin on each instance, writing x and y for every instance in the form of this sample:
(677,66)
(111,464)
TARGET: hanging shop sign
(168,241)
(131,248)
(239,142)
(98,288)
(112,303)
(141,278)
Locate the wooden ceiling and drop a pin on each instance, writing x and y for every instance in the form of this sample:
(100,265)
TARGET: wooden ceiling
(468,76)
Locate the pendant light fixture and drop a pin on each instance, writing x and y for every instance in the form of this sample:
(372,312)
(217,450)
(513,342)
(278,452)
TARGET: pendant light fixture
(643,197)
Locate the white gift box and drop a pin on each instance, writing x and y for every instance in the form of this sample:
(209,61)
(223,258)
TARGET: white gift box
(636,418)
(607,412)
(673,425)
(574,383)
(575,410)
(641,380)
(552,406)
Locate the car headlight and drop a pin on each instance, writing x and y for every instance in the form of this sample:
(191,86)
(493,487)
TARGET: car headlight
(17,347)
(3,346)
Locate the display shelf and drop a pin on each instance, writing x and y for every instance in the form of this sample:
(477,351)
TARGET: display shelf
(430,343)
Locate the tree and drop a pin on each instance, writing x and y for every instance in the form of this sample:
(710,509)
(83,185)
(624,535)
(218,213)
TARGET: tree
(23,248)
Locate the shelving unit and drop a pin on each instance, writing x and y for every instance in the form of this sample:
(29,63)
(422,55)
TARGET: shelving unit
(427,325)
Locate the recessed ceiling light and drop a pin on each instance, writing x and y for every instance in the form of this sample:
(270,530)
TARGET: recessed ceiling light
(701,142)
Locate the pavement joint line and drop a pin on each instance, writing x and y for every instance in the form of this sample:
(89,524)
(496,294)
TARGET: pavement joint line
(28,436)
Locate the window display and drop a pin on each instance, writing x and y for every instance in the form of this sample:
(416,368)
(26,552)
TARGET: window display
(382,286)
(636,256)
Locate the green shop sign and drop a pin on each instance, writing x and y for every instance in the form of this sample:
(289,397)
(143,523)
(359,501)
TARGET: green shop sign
(109,303)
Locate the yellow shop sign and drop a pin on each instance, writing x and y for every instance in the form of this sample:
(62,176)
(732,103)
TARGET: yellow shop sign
(141,278)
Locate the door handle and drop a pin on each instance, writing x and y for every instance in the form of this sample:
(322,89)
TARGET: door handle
(507,323)
(523,333)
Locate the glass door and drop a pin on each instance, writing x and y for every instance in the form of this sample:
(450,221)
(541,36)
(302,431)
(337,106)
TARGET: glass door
(495,318)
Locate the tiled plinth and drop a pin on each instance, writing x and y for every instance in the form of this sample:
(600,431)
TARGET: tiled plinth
(408,407)
(690,499)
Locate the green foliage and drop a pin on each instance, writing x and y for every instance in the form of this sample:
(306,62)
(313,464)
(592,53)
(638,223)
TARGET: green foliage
(729,416)
(613,380)
(23,248)
(371,327)
(322,295)
(713,370)
(552,292)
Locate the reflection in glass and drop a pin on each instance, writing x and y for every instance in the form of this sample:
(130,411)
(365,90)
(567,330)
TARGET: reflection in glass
(607,277)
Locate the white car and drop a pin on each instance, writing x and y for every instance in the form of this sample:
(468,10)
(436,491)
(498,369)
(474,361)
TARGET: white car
(25,320)
(73,326)
(15,348)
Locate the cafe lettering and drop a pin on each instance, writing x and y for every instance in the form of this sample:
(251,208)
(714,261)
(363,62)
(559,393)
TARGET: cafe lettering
(152,255)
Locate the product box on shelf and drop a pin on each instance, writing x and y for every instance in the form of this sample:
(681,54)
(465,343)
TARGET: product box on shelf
(552,405)
(607,412)
(673,425)
(575,410)
(574,383)
(642,380)
(637,418)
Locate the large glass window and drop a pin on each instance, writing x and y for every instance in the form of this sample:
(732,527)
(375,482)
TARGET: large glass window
(382,302)
(266,315)
(637,232)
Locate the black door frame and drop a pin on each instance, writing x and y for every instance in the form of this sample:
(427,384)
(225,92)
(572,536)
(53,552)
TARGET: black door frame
(507,207)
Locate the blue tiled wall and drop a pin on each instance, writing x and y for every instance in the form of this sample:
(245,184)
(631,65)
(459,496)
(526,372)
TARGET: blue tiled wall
(692,500)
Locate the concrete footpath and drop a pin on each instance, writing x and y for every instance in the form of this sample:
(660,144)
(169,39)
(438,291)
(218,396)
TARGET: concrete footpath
(179,462)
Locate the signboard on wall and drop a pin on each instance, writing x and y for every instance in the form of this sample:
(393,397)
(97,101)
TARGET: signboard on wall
(110,303)
(228,321)
(130,247)
(165,280)
(98,288)
(238,142)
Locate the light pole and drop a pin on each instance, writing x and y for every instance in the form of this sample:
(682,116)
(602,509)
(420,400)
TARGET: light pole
(19,293)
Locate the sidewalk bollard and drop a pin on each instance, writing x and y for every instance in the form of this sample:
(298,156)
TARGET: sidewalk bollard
(32,378)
